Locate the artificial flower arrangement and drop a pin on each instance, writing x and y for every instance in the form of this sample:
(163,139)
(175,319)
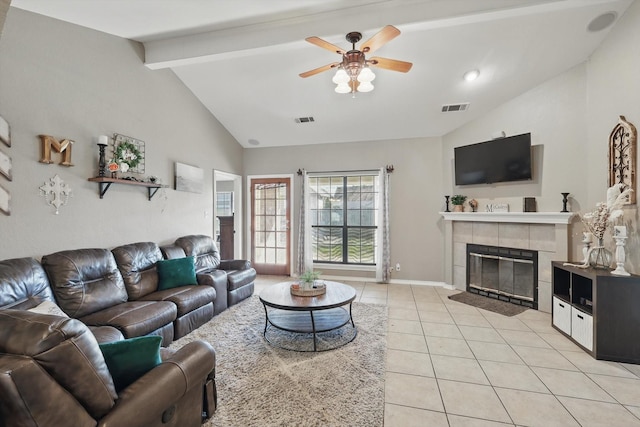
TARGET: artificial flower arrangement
(126,156)
(596,222)
(607,213)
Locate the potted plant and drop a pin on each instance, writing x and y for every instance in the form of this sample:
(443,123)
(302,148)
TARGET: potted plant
(458,202)
(308,278)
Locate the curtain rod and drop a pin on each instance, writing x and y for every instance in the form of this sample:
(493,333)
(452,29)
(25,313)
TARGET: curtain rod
(389,168)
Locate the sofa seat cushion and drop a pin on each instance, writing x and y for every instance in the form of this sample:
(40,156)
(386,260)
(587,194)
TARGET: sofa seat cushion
(106,334)
(134,318)
(240,278)
(186,298)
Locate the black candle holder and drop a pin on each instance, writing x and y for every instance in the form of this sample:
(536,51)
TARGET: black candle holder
(102,163)
(446,198)
(565,199)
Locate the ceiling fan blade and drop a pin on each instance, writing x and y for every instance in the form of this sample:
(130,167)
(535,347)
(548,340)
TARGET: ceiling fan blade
(325,45)
(390,64)
(319,70)
(382,37)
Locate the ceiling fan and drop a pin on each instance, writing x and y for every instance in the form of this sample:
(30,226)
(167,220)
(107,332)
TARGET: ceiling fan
(353,72)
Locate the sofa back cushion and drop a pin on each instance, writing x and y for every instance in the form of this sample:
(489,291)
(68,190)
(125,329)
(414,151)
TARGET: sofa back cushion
(85,280)
(21,280)
(137,264)
(66,351)
(203,249)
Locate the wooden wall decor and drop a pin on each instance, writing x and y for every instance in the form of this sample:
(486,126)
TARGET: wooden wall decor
(5,165)
(5,132)
(5,198)
(63,147)
(622,157)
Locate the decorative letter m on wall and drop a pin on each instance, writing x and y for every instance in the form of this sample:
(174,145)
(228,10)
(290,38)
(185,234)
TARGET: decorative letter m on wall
(63,147)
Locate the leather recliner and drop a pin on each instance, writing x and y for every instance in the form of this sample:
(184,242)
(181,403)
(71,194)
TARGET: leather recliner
(137,264)
(87,285)
(24,285)
(52,374)
(237,276)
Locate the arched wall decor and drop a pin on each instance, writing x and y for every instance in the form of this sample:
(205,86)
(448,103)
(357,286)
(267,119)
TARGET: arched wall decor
(622,156)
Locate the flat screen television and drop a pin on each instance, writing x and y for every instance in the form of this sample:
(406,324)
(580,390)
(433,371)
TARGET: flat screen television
(500,160)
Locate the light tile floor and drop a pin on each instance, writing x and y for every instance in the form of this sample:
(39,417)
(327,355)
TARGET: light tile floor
(450,364)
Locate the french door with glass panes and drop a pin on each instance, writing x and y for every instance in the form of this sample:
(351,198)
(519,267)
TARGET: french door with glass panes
(270,225)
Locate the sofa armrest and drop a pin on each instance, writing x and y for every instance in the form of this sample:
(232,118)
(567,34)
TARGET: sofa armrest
(144,402)
(235,264)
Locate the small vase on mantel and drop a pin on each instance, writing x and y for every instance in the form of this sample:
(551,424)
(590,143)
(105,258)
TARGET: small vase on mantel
(600,257)
(458,208)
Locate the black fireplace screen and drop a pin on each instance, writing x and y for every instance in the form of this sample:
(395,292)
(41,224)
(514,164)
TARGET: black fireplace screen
(505,273)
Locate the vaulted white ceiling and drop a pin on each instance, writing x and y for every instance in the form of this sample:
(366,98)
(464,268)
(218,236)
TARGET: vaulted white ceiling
(242,58)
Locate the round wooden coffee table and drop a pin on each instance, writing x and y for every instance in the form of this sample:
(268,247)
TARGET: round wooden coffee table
(308,315)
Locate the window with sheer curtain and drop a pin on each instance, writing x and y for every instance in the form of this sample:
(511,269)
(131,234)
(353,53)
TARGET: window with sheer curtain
(343,218)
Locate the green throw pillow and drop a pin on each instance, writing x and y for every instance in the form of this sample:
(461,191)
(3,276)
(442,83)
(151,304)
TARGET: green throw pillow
(176,272)
(130,359)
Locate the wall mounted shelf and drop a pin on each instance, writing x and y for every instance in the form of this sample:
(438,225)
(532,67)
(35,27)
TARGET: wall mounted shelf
(105,184)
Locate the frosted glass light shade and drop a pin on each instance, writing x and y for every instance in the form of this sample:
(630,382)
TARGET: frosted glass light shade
(365,87)
(366,75)
(343,88)
(341,77)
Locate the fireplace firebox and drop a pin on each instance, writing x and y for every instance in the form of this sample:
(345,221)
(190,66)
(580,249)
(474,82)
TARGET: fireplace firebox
(507,274)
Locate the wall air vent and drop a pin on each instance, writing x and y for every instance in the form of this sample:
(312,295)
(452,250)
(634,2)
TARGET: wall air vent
(455,107)
(304,119)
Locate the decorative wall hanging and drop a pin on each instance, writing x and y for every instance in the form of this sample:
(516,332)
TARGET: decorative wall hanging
(189,178)
(63,147)
(5,132)
(56,192)
(5,198)
(622,157)
(5,165)
(128,154)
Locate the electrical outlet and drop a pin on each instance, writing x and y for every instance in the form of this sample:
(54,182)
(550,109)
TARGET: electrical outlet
(398,266)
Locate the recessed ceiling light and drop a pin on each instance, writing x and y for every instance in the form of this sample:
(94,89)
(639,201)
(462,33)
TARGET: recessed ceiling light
(601,22)
(471,75)
(253,142)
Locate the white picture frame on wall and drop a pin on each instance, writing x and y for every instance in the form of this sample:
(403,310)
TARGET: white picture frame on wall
(189,178)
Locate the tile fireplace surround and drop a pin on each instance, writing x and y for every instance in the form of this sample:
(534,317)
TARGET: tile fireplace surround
(545,232)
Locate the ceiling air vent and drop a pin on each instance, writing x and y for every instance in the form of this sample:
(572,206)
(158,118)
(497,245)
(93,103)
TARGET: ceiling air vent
(454,107)
(304,119)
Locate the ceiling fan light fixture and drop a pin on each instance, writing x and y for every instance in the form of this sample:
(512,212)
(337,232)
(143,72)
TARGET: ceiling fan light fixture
(343,88)
(366,75)
(365,87)
(341,77)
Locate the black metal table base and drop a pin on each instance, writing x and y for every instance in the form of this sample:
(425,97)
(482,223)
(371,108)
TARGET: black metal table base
(311,322)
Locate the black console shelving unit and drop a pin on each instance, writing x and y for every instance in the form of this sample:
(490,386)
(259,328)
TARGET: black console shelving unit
(597,310)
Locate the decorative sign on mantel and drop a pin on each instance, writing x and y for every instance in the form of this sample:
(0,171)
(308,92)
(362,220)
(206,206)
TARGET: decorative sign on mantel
(496,207)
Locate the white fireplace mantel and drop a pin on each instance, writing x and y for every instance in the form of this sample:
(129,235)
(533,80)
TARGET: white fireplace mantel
(514,217)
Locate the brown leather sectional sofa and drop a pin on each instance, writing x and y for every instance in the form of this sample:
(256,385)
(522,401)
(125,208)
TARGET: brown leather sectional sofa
(113,294)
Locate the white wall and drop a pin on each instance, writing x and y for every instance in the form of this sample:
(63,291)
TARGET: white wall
(571,117)
(415,194)
(71,82)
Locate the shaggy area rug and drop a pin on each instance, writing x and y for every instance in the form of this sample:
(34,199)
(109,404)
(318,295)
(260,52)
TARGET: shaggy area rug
(490,304)
(261,385)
